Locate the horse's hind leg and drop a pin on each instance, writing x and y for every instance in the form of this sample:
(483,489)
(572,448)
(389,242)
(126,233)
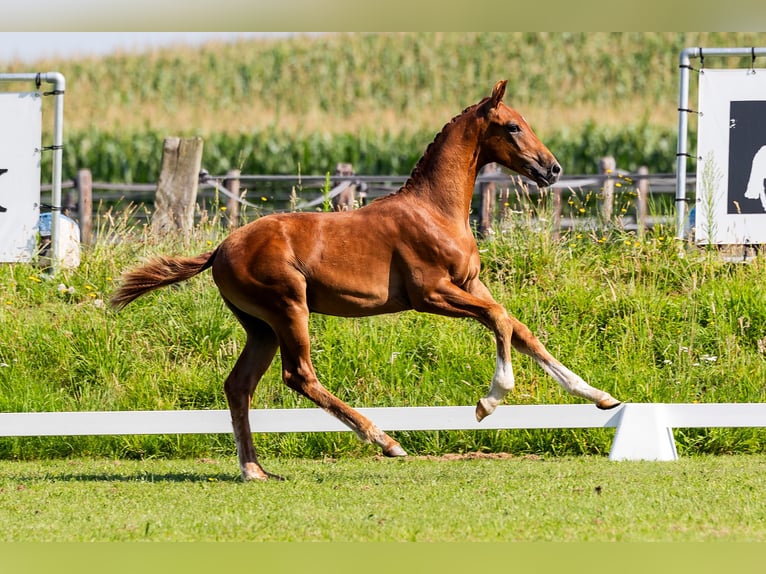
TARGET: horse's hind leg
(298,374)
(255,358)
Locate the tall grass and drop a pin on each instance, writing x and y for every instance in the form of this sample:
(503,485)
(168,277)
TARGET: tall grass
(629,315)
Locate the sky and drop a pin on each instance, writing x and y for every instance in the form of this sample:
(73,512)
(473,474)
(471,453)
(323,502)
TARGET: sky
(31,46)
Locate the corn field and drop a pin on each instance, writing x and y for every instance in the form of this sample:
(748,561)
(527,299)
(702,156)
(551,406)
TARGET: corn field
(376,100)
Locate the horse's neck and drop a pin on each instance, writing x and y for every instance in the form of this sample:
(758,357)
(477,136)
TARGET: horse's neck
(446,175)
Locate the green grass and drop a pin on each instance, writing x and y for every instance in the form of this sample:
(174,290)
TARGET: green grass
(374,499)
(632,317)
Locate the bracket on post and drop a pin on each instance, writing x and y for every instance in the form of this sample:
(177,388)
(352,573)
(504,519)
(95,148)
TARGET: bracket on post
(643,434)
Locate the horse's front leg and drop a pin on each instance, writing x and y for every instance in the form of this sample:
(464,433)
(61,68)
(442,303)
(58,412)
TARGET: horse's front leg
(524,341)
(477,302)
(503,380)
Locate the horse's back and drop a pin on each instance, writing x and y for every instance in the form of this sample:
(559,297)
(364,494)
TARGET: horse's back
(340,263)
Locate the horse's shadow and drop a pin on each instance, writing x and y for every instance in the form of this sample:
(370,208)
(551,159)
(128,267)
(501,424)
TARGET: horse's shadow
(139,477)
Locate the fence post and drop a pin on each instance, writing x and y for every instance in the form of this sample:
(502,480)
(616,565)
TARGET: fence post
(232,205)
(84,184)
(345,199)
(69,201)
(178,184)
(487,207)
(556,218)
(642,200)
(606,167)
(488,199)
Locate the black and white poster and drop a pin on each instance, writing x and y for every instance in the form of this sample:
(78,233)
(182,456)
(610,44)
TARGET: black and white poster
(20,137)
(731,162)
(747,157)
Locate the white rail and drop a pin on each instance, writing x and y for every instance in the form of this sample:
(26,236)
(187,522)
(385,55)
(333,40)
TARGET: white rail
(644,431)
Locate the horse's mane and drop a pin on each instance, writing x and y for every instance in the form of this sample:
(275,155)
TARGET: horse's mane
(418,169)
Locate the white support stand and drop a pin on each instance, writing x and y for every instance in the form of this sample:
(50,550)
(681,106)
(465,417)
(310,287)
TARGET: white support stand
(643,433)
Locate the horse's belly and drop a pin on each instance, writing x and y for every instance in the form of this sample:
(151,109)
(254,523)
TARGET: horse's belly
(353,303)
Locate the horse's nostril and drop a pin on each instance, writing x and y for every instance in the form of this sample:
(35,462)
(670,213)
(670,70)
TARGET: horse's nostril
(556,169)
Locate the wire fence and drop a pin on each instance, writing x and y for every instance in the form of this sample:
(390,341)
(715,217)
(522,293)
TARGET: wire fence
(634,201)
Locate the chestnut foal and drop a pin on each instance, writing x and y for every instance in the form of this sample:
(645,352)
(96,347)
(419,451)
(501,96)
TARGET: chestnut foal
(413,249)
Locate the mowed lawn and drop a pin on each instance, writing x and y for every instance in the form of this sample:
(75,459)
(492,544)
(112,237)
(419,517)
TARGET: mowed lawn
(446,499)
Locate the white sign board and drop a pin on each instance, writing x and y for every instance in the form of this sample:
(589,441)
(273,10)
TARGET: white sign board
(20,137)
(731,162)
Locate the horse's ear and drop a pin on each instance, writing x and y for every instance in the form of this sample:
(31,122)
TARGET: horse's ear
(497,93)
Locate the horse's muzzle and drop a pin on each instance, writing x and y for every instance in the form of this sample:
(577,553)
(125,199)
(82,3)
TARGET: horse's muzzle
(545,177)
(554,172)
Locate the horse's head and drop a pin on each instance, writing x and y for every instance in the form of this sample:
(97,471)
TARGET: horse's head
(510,141)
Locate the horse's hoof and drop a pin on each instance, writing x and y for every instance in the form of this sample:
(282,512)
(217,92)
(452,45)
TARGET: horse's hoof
(394,451)
(608,403)
(254,477)
(483,409)
(262,477)
(255,473)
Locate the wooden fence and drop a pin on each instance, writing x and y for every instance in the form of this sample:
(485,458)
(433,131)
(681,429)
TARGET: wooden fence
(578,201)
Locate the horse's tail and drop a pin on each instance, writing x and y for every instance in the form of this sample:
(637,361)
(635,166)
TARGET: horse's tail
(158,273)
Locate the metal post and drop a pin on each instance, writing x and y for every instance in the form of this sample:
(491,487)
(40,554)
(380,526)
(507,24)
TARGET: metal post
(683,106)
(59,86)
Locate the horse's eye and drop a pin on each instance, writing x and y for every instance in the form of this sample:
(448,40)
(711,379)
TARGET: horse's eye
(512,128)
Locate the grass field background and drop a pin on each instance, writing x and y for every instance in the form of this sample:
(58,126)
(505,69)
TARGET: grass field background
(640,318)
